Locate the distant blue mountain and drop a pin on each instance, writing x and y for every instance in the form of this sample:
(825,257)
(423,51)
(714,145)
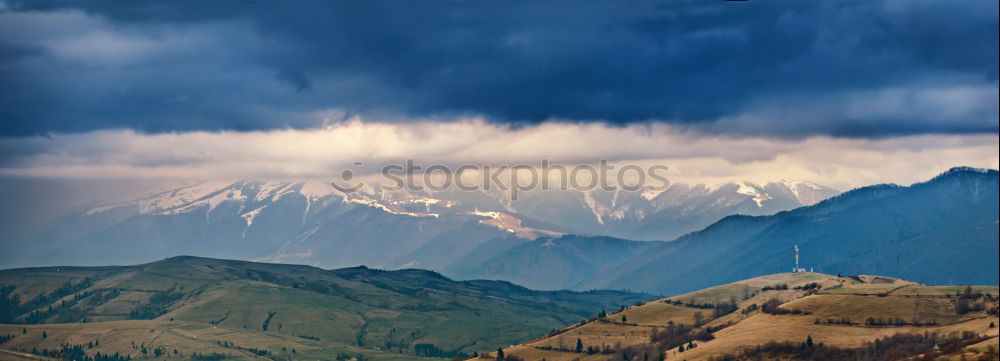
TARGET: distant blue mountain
(940,231)
(308,221)
(550,263)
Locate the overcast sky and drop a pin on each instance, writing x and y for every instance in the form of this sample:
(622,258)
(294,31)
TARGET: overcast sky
(843,93)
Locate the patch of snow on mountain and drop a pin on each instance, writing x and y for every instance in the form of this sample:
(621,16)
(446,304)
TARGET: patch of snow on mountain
(649,194)
(212,201)
(805,192)
(510,224)
(493,215)
(149,203)
(388,209)
(588,199)
(102,209)
(316,189)
(273,190)
(411,264)
(249,216)
(430,202)
(752,190)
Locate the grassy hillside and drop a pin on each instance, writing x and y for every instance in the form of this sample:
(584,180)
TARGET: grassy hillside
(776,316)
(255,310)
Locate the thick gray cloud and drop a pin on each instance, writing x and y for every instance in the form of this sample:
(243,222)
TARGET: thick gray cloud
(764,68)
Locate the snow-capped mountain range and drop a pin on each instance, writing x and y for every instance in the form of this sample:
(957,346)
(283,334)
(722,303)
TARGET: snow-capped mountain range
(311,222)
(545,239)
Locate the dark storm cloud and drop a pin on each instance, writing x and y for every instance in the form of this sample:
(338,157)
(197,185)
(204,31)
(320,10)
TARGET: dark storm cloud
(786,69)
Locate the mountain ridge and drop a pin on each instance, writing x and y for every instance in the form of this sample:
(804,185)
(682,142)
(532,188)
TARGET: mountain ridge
(309,221)
(943,203)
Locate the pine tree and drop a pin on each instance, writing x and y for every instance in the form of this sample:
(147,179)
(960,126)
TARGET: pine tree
(45,335)
(809,341)
(579,345)
(500,353)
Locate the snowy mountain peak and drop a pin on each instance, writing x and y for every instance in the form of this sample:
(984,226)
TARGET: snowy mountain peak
(159,201)
(808,193)
(758,195)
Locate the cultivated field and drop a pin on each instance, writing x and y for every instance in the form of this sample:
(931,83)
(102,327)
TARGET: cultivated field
(846,312)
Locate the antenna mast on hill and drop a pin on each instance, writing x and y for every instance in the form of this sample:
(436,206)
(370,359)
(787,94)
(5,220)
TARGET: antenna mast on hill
(797,269)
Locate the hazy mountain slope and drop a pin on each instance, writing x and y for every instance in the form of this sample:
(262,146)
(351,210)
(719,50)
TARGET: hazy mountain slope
(390,310)
(680,209)
(473,260)
(297,222)
(942,229)
(449,247)
(557,263)
(310,222)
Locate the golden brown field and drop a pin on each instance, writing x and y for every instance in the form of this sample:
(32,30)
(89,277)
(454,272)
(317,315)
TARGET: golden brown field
(874,306)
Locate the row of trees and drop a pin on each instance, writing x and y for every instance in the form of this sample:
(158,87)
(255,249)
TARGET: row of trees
(77,353)
(13,311)
(896,321)
(253,350)
(679,336)
(965,305)
(156,306)
(772,306)
(809,286)
(781,287)
(896,347)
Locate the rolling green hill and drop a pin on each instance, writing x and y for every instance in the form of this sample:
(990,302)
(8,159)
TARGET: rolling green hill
(211,305)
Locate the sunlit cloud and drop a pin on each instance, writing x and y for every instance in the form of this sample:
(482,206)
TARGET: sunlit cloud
(320,153)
